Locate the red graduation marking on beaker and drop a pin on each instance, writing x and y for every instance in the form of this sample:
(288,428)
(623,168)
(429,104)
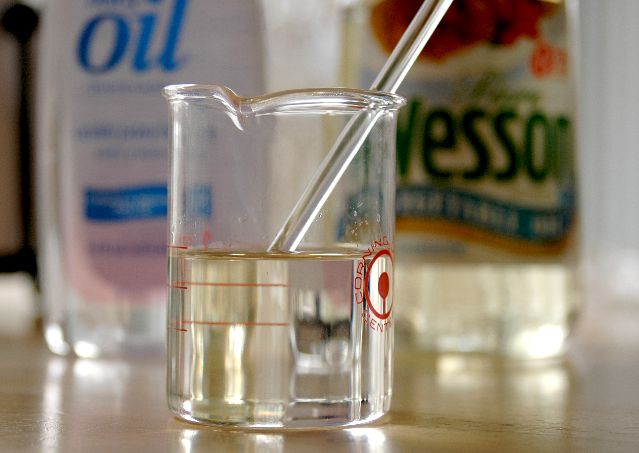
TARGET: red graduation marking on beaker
(177,286)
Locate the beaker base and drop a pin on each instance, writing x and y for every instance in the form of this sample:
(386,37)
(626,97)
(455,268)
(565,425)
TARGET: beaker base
(273,416)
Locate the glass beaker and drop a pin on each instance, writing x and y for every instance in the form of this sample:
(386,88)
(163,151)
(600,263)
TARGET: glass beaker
(261,337)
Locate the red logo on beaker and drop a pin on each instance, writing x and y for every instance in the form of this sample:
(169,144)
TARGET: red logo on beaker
(377,284)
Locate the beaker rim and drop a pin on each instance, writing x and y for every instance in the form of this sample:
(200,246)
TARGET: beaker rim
(303,100)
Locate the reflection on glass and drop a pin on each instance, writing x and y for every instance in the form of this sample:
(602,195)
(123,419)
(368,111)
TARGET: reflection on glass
(186,440)
(268,443)
(369,440)
(205,439)
(498,388)
(528,380)
(52,404)
(109,376)
(234,378)
(361,440)
(86,349)
(545,341)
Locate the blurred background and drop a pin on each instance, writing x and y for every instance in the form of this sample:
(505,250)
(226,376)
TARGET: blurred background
(608,157)
(18,291)
(11,235)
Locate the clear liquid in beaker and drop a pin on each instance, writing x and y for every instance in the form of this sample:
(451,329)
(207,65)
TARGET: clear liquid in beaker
(274,340)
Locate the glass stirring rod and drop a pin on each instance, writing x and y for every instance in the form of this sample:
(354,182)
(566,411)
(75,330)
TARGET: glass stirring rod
(358,128)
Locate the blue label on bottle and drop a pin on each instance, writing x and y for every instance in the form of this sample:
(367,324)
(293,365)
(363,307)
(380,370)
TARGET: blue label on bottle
(122,204)
(142,202)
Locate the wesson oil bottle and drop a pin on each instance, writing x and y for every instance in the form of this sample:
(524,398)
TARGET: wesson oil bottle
(486,197)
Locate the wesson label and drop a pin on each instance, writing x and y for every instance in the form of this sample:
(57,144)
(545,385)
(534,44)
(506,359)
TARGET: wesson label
(485,145)
(501,168)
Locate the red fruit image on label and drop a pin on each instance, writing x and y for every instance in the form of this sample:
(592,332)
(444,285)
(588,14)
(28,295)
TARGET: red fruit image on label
(467,22)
